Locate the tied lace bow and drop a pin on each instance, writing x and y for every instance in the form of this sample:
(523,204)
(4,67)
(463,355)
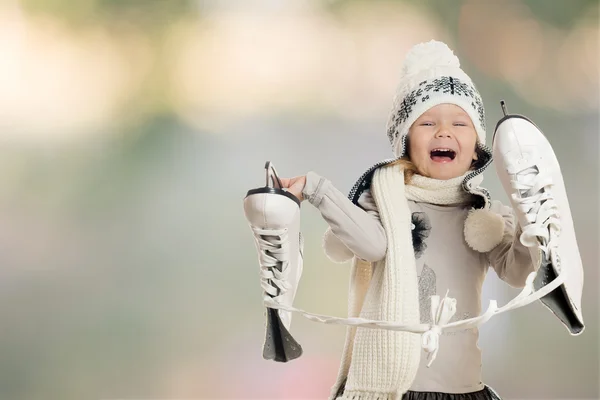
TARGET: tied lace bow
(441,313)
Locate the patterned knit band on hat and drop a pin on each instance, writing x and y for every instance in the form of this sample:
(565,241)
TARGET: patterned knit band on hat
(431,75)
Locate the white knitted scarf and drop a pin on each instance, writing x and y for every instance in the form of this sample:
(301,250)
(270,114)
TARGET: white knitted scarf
(436,191)
(380,364)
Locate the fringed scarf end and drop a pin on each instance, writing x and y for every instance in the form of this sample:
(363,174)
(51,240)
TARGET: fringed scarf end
(362,395)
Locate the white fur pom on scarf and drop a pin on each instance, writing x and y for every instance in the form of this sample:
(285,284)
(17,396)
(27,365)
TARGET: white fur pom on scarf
(484,230)
(335,250)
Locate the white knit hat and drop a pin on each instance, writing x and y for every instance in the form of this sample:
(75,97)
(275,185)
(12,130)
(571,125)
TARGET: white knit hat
(431,75)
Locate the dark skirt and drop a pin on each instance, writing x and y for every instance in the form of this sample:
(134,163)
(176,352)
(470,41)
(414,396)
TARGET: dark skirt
(487,393)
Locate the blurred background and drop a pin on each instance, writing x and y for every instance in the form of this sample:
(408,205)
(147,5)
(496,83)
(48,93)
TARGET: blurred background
(131,130)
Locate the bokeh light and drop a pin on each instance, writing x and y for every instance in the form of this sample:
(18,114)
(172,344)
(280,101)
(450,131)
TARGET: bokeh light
(132,130)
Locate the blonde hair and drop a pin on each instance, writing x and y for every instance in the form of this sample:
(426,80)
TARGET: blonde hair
(408,167)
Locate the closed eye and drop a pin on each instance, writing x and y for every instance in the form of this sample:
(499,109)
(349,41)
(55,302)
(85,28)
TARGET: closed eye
(460,124)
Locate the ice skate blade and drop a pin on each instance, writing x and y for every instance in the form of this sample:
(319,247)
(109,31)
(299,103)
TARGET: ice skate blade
(279,344)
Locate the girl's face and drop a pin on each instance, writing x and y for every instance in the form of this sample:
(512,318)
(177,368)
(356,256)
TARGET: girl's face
(442,142)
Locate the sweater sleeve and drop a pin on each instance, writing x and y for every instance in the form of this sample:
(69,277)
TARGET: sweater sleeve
(510,259)
(352,229)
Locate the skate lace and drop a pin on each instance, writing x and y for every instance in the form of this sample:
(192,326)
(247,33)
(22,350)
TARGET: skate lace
(273,253)
(442,310)
(535,200)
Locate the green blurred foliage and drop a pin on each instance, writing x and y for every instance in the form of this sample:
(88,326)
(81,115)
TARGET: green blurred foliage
(562,14)
(151,14)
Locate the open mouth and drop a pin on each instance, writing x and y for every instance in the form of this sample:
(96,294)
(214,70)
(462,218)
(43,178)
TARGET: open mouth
(442,155)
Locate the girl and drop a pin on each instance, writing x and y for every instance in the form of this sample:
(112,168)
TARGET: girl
(420,226)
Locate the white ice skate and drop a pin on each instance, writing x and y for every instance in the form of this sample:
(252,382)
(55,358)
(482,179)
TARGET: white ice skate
(274,216)
(531,176)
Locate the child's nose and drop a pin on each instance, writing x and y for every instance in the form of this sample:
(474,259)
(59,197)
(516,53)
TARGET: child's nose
(444,131)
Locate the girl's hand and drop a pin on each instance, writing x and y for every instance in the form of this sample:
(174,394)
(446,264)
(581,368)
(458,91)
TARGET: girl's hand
(294,185)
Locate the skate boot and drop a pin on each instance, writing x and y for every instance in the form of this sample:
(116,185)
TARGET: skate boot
(274,217)
(531,176)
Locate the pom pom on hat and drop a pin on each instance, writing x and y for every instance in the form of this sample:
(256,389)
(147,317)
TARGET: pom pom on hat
(484,230)
(428,55)
(431,75)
